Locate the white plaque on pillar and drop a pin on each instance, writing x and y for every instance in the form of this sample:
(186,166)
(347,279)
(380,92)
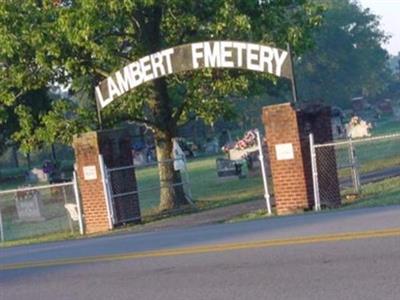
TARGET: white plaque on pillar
(89,173)
(284,151)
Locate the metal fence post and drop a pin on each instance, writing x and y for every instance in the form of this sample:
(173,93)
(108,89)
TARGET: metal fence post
(78,202)
(314,168)
(354,171)
(264,175)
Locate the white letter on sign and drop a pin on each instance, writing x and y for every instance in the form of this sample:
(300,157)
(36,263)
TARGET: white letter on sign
(196,54)
(279,61)
(136,74)
(103,103)
(146,67)
(125,81)
(157,63)
(239,47)
(226,54)
(252,57)
(212,58)
(266,57)
(112,88)
(167,53)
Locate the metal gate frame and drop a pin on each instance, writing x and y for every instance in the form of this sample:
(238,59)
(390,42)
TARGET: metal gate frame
(110,196)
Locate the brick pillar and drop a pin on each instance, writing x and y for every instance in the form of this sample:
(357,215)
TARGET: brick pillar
(287,136)
(94,205)
(286,158)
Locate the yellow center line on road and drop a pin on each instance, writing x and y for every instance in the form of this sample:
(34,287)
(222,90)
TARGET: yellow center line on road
(348,236)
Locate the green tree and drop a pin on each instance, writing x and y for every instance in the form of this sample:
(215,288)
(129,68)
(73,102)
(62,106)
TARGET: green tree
(348,59)
(21,117)
(28,67)
(23,78)
(393,89)
(82,41)
(394,63)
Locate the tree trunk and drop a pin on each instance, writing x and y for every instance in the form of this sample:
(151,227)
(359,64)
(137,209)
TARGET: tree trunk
(171,195)
(28,160)
(53,152)
(15,155)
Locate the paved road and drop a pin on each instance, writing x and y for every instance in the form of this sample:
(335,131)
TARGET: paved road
(338,255)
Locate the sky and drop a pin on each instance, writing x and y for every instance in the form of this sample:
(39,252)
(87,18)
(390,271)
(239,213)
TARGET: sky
(389,11)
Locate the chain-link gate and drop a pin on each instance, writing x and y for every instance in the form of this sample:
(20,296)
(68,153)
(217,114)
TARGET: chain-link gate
(134,191)
(353,164)
(123,193)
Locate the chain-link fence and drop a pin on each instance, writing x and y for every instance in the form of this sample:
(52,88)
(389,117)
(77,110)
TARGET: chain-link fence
(135,191)
(29,212)
(355,165)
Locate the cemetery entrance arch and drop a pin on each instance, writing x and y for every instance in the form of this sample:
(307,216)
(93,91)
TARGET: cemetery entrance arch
(220,54)
(209,54)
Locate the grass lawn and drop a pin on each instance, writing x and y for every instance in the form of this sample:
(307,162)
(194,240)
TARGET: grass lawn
(49,237)
(258,214)
(386,126)
(208,191)
(371,156)
(382,193)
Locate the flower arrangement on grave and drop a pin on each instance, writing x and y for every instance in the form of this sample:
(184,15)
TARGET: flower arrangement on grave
(249,140)
(358,128)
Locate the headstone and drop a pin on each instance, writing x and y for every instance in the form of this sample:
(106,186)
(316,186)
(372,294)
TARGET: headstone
(37,175)
(211,146)
(29,206)
(31,178)
(179,157)
(228,168)
(338,129)
(253,164)
(386,106)
(139,158)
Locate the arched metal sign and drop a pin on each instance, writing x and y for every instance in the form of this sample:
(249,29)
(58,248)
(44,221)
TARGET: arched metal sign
(210,54)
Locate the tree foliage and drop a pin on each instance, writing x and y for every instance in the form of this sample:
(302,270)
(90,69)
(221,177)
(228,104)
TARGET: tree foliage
(80,42)
(393,89)
(29,65)
(348,59)
(21,117)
